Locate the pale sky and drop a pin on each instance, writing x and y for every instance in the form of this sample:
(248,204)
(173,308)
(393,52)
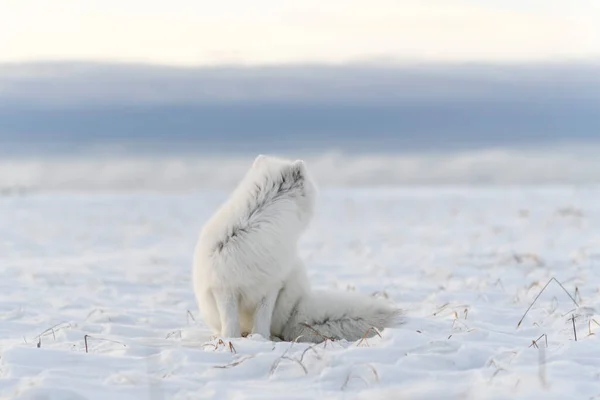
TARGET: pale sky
(198,32)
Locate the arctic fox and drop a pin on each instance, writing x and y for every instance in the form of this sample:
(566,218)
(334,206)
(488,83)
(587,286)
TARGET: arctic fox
(248,278)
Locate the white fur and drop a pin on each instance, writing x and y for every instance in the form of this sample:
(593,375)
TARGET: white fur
(248,277)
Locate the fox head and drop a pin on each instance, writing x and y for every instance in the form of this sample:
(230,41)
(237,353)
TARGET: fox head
(277,179)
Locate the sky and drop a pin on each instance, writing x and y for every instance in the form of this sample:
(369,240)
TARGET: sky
(194,33)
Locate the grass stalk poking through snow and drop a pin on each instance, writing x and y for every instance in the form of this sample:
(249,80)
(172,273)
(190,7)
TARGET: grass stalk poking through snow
(590,333)
(54,329)
(236,363)
(285,357)
(534,342)
(85,340)
(540,293)
(364,338)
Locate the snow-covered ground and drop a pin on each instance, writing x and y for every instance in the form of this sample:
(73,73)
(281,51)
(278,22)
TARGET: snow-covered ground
(465,263)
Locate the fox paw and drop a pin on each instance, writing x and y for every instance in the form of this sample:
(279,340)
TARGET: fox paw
(257,337)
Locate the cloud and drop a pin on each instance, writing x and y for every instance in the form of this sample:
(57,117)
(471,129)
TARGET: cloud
(352,107)
(93,83)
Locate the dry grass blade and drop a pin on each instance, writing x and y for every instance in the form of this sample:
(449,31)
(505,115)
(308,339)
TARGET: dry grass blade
(298,338)
(54,329)
(590,333)
(86,337)
(285,357)
(278,360)
(350,377)
(316,332)
(534,342)
(297,362)
(496,373)
(442,308)
(221,343)
(210,344)
(554,304)
(383,293)
(574,330)
(499,283)
(374,372)
(189,315)
(310,348)
(569,312)
(464,326)
(171,334)
(519,258)
(364,338)
(539,294)
(275,365)
(234,364)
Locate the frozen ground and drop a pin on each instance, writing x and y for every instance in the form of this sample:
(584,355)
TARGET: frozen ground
(464,263)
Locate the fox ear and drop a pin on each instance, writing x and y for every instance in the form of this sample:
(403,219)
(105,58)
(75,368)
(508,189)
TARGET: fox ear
(261,158)
(299,168)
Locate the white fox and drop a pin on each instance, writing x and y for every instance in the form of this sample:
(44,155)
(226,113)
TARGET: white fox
(248,278)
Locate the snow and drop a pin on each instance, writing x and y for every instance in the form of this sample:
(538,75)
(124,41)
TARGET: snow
(465,263)
(115,169)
